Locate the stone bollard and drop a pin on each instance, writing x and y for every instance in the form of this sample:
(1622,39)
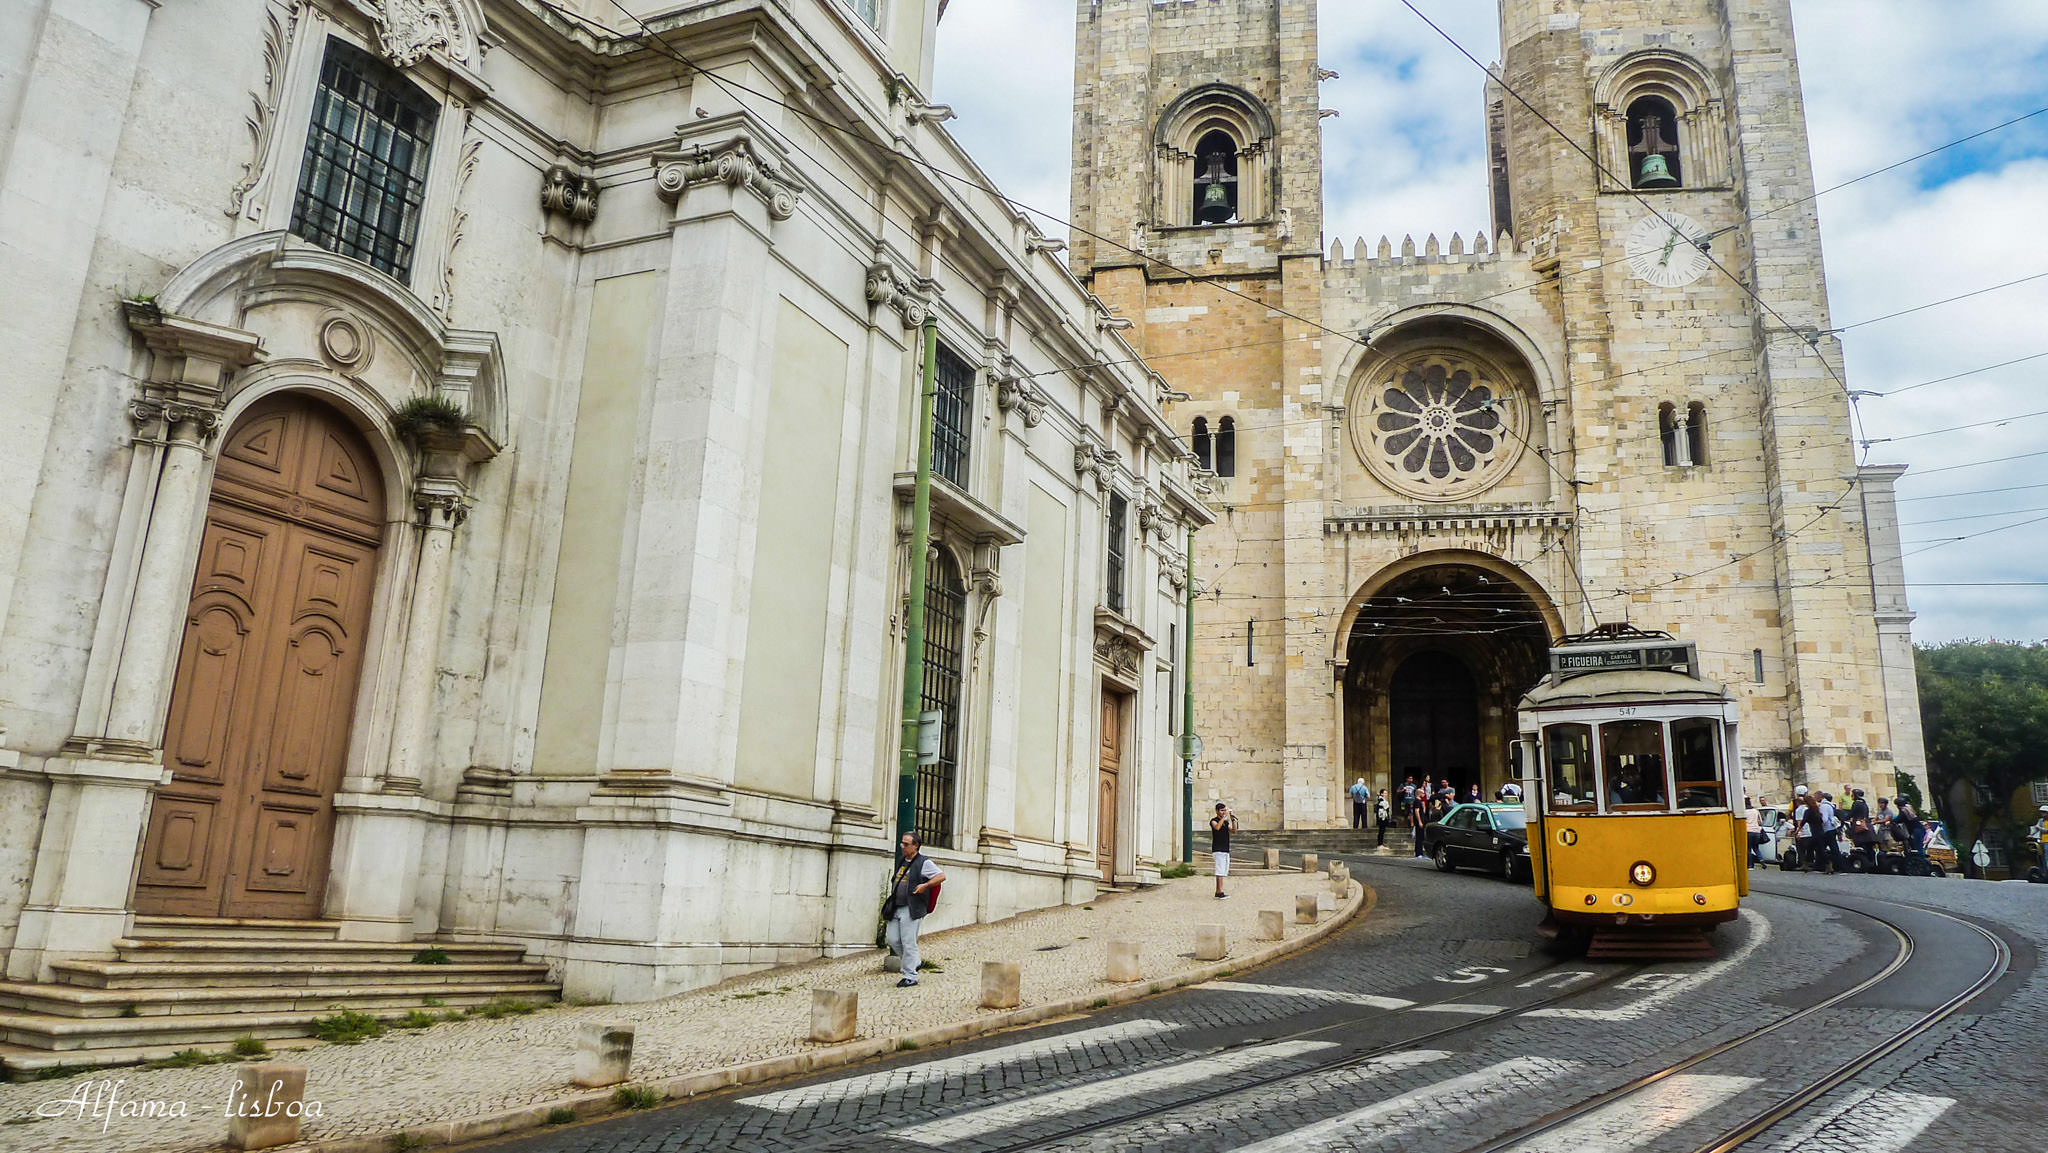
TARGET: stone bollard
(604,1054)
(1326,903)
(1123,962)
(266,1106)
(1002,984)
(1272,925)
(834,1014)
(1272,858)
(1308,862)
(1305,905)
(1209,943)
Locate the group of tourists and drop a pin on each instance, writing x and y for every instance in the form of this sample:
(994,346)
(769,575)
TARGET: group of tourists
(1819,822)
(1414,804)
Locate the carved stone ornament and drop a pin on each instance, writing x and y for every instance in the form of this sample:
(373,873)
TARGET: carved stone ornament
(1151,514)
(205,417)
(262,118)
(566,192)
(1028,399)
(1174,567)
(890,288)
(409,29)
(1120,653)
(345,343)
(736,163)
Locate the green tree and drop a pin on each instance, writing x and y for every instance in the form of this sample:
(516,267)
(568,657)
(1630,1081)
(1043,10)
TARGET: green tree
(1984,705)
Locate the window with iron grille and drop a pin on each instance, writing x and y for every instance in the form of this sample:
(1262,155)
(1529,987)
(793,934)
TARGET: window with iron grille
(365,172)
(952,418)
(945,608)
(1114,577)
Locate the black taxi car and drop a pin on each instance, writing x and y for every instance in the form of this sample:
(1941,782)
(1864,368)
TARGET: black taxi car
(1490,837)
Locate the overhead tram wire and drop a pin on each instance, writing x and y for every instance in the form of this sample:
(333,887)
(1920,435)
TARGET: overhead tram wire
(648,37)
(651,39)
(1638,197)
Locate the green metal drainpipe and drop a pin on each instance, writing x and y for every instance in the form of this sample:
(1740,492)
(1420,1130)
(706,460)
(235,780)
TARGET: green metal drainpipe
(913,631)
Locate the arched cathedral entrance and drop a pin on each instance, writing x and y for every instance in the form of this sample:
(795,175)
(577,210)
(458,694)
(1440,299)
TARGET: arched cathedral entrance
(262,704)
(1440,649)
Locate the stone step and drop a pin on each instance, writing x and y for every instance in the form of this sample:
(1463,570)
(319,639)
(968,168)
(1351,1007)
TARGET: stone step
(235,974)
(22,1063)
(243,928)
(230,949)
(127,1004)
(45,1031)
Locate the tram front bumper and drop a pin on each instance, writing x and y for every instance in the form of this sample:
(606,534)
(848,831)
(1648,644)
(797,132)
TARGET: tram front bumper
(1628,904)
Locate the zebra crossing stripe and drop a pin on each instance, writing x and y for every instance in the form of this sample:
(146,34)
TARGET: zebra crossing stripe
(1883,1120)
(904,1076)
(1464,1007)
(1365,999)
(1634,1121)
(980,1122)
(1418,1109)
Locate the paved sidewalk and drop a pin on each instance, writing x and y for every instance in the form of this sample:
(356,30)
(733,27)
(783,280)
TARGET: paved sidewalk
(472,1071)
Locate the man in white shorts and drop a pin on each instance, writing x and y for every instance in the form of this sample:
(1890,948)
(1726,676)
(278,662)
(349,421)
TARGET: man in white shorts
(1220,827)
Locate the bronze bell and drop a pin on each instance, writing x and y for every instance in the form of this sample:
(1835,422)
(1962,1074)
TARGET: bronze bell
(1656,172)
(1215,206)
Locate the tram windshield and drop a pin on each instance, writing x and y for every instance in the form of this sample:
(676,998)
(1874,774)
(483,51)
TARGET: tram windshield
(1634,766)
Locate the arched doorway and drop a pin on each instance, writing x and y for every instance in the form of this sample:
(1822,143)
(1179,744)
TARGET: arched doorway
(1439,651)
(263,701)
(1433,718)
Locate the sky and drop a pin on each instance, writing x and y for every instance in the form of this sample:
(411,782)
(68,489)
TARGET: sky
(1883,79)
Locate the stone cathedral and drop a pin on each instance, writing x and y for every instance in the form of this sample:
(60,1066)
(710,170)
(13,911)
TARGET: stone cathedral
(1616,400)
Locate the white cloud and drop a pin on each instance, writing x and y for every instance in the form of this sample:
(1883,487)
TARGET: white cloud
(1406,155)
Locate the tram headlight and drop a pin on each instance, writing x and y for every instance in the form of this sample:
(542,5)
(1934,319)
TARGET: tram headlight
(1643,873)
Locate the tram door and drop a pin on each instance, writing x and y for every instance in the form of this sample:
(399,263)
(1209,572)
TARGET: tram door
(1433,719)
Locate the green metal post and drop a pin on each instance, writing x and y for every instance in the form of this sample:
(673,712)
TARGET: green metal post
(1187,711)
(913,630)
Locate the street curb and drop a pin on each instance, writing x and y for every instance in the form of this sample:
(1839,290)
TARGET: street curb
(601,1102)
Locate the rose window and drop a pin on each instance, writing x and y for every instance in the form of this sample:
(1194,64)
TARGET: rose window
(1440,428)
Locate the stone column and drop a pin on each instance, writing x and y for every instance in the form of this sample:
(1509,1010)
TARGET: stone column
(163,585)
(441,512)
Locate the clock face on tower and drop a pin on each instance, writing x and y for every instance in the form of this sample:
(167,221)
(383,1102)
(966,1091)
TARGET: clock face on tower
(1667,255)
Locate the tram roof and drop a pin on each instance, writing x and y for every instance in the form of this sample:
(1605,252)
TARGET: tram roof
(1619,687)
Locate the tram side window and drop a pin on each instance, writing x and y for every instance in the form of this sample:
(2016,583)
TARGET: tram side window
(1568,756)
(1696,763)
(1632,753)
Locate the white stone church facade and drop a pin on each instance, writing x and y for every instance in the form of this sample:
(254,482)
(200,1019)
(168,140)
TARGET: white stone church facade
(458,476)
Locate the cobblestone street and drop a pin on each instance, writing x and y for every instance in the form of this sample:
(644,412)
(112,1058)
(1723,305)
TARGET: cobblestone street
(1438,1024)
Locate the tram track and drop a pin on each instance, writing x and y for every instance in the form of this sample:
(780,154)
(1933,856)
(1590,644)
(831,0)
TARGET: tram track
(1762,1121)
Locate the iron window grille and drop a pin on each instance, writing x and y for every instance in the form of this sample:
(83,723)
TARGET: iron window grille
(365,173)
(1119,510)
(945,610)
(952,417)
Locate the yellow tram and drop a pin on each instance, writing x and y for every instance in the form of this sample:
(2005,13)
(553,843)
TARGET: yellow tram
(1633,788)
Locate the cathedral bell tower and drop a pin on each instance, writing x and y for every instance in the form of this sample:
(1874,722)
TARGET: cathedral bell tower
(1709,421)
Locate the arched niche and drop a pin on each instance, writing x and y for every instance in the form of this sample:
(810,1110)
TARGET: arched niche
(1655,80)
(1198,123)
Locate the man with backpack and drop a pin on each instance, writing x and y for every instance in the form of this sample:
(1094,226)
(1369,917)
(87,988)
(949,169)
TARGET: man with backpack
(913,892)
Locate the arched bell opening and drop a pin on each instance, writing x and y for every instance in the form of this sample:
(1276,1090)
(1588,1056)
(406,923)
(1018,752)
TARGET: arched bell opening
(1436,659)
(1653,149)
(1216,194)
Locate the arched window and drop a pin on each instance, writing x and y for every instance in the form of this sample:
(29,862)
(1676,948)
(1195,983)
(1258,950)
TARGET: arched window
(1684,434)
(1654,160)
(945,610)
(364,178)
(1215,179)
(1213,147)
(1657,103)
(1201,439)
(1226,447)
(1677,447)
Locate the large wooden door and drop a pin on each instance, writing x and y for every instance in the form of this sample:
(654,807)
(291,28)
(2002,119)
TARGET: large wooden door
(263,702)
(1110,763)
(1434,719)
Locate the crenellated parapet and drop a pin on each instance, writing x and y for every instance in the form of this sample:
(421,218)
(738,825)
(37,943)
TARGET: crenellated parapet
(1363,256)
